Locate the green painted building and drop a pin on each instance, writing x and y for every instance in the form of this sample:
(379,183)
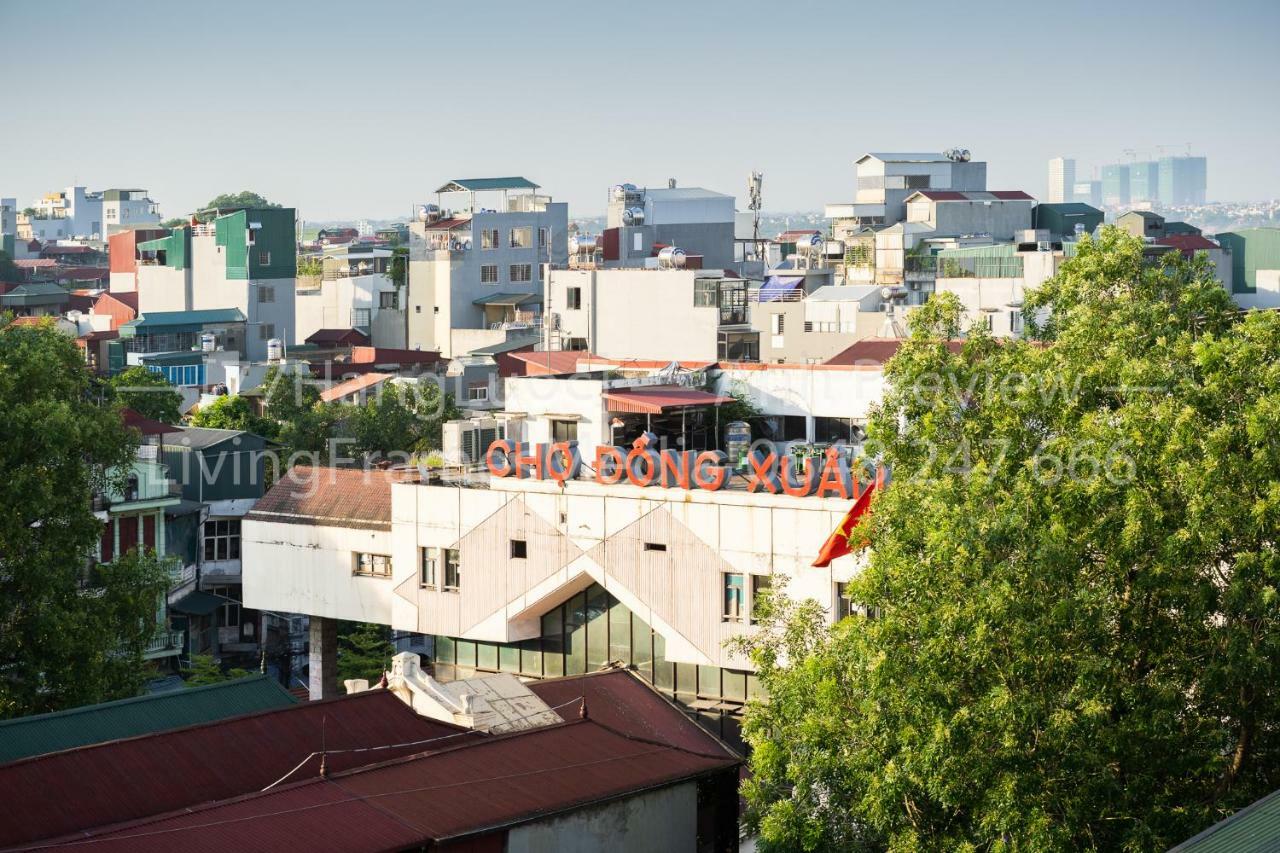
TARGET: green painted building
(1060,220)
(1252,249)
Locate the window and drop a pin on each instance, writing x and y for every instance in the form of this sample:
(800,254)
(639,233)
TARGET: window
(778,322)
(522,272)
(489,274)
(489,238)
(564,431)
(573,298)
(374,565)
(637,242)
(428,568)
(266,293)
(222,539)
(452,570)
(542,238)
(917,182)
(1015,322)
(655,546)
(478,392)
(131,488)
(759,583)
(705,293)
(229,615)
(388,299)
(521,238)
(519,549)
(264,258)
(735,596)
(266,331)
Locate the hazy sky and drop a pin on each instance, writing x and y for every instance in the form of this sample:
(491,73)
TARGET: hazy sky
(360,109)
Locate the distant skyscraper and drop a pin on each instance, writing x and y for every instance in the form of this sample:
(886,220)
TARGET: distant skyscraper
(1115,185)
(1062,179)
(1089,192)
(1183,180)
(1144,182)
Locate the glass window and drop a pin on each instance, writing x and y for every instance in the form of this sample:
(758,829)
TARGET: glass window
(564,431)
(264,258)
(445,650)
(477,392)
(619,632)
(489,274)
(522,237)
(452,570)
(266,331)
(575,630)
(374,565)
(509,658)
(489,238)
(597,627)
(573,298)
(229,615)
(705,293)
(759,583)
(486,656)
(521,272)
(735,604)
(542,238)
(266,293)
(222,539)
(428,575)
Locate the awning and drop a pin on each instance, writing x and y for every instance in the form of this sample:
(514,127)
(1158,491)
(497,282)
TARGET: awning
(197,604)
(507,299)
(777,288)
(658,400)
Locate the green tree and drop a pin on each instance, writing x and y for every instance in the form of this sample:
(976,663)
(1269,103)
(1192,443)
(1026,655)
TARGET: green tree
(231,411)
(1075,572)
(402,419)
(306,424)
(148,393)
(244,198)
(398,270)
(174,222)
(68,635)
(364,651)
(205,670)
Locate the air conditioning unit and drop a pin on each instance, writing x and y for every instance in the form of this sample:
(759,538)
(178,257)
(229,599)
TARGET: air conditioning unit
(465,441)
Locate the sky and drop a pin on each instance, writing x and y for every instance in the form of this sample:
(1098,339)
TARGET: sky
(350,110)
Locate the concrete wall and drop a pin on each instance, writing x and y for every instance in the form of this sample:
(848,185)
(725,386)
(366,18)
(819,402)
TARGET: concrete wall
(807,390)
(304,568)
(663,820)
(1000,219)
(1266,294)
(163,288)
(988,300)
(797,346)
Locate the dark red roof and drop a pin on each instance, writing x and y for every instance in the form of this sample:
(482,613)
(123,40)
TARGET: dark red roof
(145,425)
(1188,244)
(874,351)
(550,361)
(446,224)
(1014,195)
(469,789)
(60,793)
(943,195)
(338,337)
(52,249)
(126,298)
(342,497)
(657,400)
(624,702)
(975,195)
(387,355)
(101,335)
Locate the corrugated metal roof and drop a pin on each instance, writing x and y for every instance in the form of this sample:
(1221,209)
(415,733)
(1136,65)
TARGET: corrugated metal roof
(54,795)
(547,362)
(507,299)
(510,344)
(484,184)
(466,790)
(660,399)
(44,733)
(906,157)
(186,318)
(873,351)
(342,497)
(1253,829)
(199,438)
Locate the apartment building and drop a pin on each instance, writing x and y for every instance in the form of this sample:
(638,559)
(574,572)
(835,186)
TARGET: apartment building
(885,180)
(640,221)
(241,261)
(1062,180)
(352,290)
(123,256)
(78,212)
(475,271)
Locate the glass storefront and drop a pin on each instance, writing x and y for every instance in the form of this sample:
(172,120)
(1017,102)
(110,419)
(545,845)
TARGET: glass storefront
(592,629)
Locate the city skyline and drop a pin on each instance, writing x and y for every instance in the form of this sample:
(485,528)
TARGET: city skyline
(342,127)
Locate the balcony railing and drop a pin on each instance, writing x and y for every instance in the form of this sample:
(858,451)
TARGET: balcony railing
(164,642)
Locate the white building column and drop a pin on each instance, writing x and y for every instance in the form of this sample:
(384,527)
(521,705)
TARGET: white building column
(323,671)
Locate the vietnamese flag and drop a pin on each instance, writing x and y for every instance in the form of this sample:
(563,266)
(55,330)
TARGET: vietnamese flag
(837,544)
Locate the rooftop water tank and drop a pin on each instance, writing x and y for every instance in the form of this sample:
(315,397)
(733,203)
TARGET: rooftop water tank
(275,349)
(671,257)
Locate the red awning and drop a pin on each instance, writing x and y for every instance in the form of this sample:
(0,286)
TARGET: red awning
(655,401)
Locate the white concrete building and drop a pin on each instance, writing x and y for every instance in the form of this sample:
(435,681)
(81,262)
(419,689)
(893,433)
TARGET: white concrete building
(1062,180)
(77,212)
(353,291)
(884,180)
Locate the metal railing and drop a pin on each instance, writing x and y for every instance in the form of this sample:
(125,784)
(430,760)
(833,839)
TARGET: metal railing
(165,641)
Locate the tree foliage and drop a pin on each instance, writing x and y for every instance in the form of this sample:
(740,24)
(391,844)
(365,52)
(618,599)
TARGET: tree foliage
(205,670)
(228,201)
(231,411)
(148,393)
(404,419)
(364,651)
(1075,569)
(68,636)
(9,271)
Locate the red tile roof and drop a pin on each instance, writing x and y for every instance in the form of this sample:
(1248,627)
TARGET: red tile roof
(354,386)
(387,355)
(342,497)
(100,335)
(60,793)
(145,425)
(129,297)
(875,351)
(466,790)
(35,263)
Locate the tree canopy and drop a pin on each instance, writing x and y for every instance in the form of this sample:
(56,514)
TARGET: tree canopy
(9,271)
(203,670)
(1077,642)
(231,411)
(148,393)
(69,634)
(244,198)
(364,651)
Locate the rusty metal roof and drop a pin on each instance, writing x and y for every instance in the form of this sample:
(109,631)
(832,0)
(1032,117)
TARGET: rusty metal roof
(465,790)
(60,793)
(342,497)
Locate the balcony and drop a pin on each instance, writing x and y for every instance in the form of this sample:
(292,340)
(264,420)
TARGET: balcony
(165,643)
